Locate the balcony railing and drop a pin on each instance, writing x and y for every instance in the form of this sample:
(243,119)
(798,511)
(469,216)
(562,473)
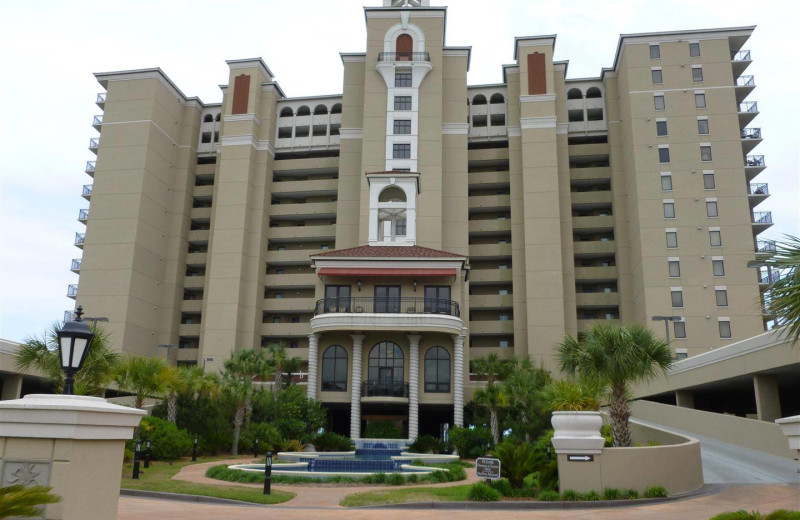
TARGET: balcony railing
(387,306)
(770,276)
(94,143)
(101,98)
(87,190)
(90,166)
(83,214)
(746,81)
(76,264)
(751,133)
(758,189)
(72,290)
(762,217)
(754,160)
(97,121)
(404,56)
(372,388)
(68,316)
(741,56)
(748,106)
(79,238)
(765,246)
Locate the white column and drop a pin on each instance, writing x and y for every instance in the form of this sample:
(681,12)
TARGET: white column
(355,385)
(313,359)
(413,386)
(458,380)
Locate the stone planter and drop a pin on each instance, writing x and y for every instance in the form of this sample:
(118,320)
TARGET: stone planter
(577,432)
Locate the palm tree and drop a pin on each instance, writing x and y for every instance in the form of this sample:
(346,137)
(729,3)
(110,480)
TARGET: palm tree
(20,501)
(616,357)
(281,364)
(144,377)
(783,301)
(492,369)
(241,370)
(522,388)
(191,381)
(41,354)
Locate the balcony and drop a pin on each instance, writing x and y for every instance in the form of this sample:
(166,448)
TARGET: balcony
(90,166)
(596,273)
(757,193)
(94,144)
(747,112)
(387,306)
(79,238)
(72,291)
(86,192)
(765,246)
(593,248)
(490,276)
(743,86)
(597,299)
(740,61)
(491,328)
(585,324)
(489,251)
(769,276)
(489,227)
(97,122)
(751,137)
(761,220)
(753,165)
(593,223)
(491,301)
(377,388)
(292,256)
(592,199)
(294,234)
(489,202)
(288,305)
(76,265)
(388,314)
(291,281)
(101,100)
(83,215)
(404,56)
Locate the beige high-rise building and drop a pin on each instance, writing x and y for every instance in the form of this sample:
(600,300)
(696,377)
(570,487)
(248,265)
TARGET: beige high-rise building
(392,233)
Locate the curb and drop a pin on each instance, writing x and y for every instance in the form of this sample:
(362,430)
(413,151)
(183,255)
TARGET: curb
(178,497)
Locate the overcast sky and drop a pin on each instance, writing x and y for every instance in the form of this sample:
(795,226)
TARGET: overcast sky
(49,50)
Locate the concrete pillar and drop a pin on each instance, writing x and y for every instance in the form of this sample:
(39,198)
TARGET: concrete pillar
(12,387)
(355,394)
(458,380)
(768,403)
(413,386)
(73,444)
(313,360)
(684,398)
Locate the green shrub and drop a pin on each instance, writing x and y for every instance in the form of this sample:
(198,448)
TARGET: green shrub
(739,515)
(480,492)
(127,456)
(426,444)
(503,486)
(269,439)
(548,496)
(222,472)
(591,495)
(438,477)
(570,495)
(330,441)
(655,492)
(517,461)
(382,430)
(396,479)
(379,478)
(611,494)
(167,441)
(571,395)
(631,494)
(471,443)
(784,514)
(607,431)
(412,478)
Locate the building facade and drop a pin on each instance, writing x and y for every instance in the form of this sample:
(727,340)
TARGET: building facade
(392,233)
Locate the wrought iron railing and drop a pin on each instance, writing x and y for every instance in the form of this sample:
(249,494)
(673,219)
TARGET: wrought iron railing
(748,106)
(87,190)
(72,289)
(762,217)
(741,56)
(765,246)
(377,388)
(754,160)
(79,238)
(758,189)
(751,133)
(404,56)
(83,214)
(387,306)
(746,81)
(76,264)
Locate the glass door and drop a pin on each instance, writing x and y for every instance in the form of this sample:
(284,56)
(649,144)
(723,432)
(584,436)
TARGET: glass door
(337,298)
(437,299)
(387,298)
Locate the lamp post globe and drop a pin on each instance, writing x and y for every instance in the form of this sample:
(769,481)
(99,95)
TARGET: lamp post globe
(74,340)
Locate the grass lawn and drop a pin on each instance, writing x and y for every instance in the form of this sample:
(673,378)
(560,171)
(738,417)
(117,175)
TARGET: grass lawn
(402,496)
(158,478)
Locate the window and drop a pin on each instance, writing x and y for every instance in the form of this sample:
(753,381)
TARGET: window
(402,126)
(722,297)
(206,137)
(657,76)
(666,182)
(502,267)
(661,128)
(700,100)
(663,155)
(505,317)
(387,298)
(334,369)
(694,50)
(503,292)
(669,210)
(681,355)
(677,297)
(724,329)
(711,209)
(278,296)
(402,79)
(715,237)
(385,371)
(697,74)
(437,370)
(401,151)
(655,52)
(437,299)
(672,239)
(659,102)
(400,228)
(337,298)
(708,181)
(705,153)
(718,266)
(680,329)
(276,319)
(674,268)
(503,343)
(702,126)
(402,102)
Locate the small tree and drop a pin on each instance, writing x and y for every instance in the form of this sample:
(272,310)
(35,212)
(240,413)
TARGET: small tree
(492,369)
(241,370)
(144,377)
(281,364)
(20,501)
(522,388)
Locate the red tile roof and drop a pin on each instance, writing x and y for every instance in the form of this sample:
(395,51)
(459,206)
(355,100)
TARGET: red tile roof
(389,252)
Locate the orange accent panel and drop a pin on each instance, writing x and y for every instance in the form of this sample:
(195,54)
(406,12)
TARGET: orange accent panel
(537,77)
(241,91)
(404,47)
(383,271)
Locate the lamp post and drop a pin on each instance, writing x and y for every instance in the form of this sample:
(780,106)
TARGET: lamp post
(268,473)
(666,320)
(255,448)
(74,340)
(194,449)
(147,454)
(137,455)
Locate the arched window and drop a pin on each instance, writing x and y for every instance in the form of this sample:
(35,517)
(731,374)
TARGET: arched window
(385,371)
(218,116)
(334,369)
(287,112)
(392,214)
(497,98)
(437,370)
(320,110)
(594,92)
(480,99)
(404,46)
(208,118)
(303,111)
(336,109)
(574,93)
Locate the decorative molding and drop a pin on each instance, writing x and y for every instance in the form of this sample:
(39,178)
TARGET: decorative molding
(514,131)
(241,117)
(249,64)
(562,128)
(353,57)
(532,123)
(351,133)
(350,321)
(244,140)
(537,98)
(418,12)
(455,129)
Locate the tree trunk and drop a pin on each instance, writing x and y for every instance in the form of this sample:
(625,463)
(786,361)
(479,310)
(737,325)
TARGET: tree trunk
(238,419)
(494,425)
(172,408)
(248,411)
(278,381)
(620,413)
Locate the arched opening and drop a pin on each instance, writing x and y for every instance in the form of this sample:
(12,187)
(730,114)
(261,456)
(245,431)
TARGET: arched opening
(593,92)
(336,109)
(320,110)
(303,111)
(437,370)
(287,112)
(392,194)
(392,214)
(497,98)
(404,46)
(574,93)
(218,116)
(208,118)
(334,369)
(480,99)
(385,371)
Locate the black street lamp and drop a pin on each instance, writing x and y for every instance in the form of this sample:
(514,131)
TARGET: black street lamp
(194,449)
(268,473)
(147,454)
(255,448)
(137,456)
(74,340)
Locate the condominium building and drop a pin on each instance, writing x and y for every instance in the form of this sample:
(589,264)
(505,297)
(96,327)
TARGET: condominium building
(392,233)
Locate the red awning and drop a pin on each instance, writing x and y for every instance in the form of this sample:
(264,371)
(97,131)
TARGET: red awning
(384,271)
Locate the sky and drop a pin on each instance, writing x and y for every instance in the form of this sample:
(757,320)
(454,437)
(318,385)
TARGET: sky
(50,49)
